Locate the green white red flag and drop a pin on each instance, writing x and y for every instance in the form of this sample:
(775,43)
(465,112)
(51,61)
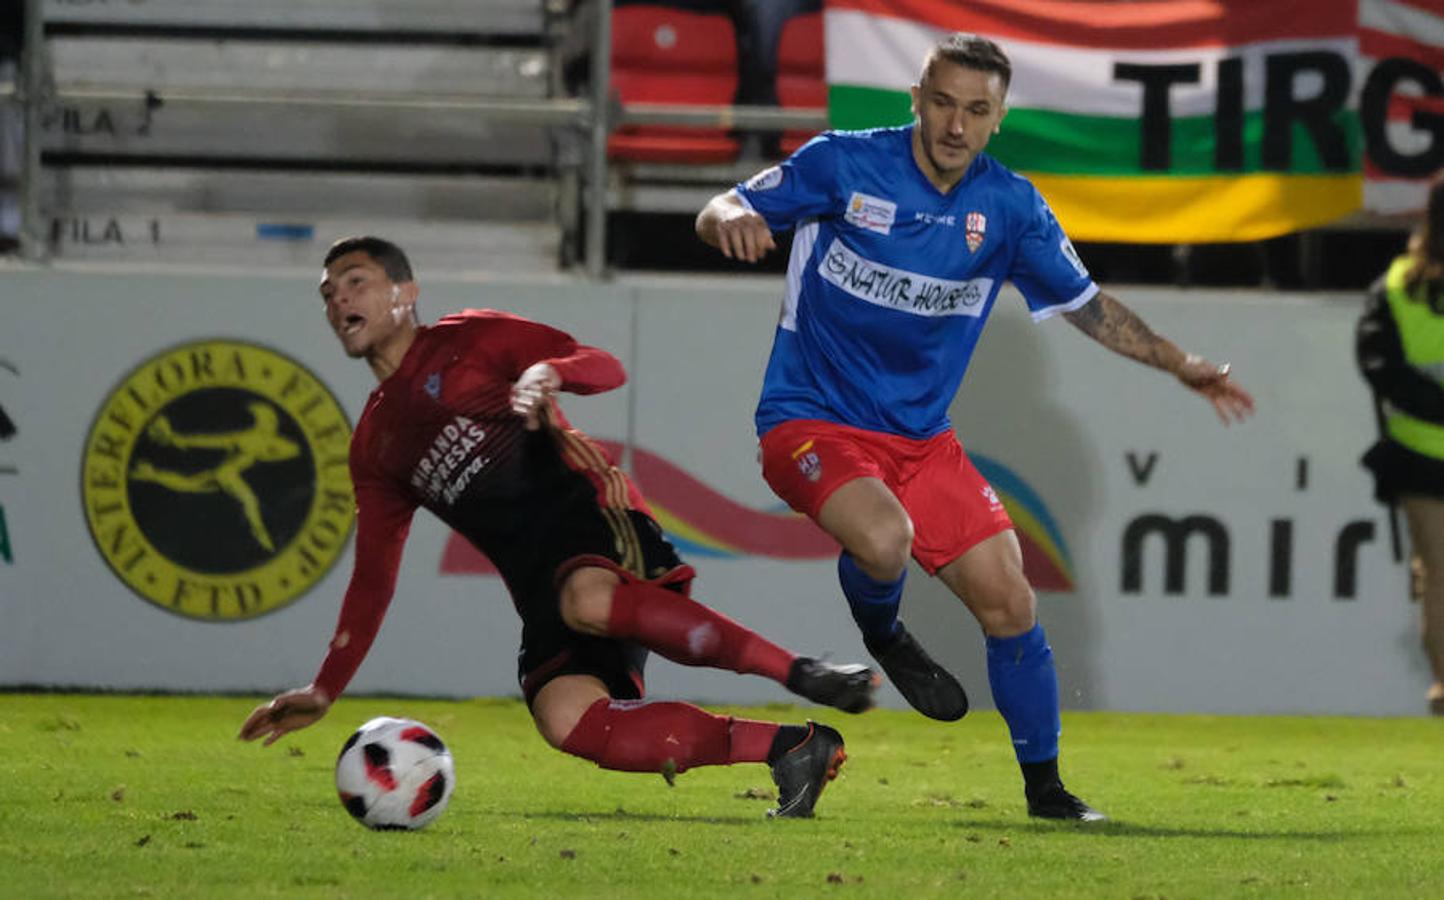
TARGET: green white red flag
(1178,120)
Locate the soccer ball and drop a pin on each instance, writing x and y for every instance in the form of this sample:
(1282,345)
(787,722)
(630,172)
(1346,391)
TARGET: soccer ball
(394,774)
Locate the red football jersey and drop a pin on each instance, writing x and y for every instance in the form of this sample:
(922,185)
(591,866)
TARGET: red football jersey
(440,433)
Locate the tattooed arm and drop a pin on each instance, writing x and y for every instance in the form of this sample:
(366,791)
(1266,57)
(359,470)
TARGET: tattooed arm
(1119,328)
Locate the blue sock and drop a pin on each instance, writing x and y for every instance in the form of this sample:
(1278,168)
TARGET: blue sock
(1025,689)
(874,603)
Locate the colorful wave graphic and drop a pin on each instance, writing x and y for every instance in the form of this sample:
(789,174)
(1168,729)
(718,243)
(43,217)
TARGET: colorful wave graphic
(1046,560)
(702,522)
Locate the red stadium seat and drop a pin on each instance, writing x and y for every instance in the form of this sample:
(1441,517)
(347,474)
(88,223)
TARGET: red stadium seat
(664,55)
(801,72)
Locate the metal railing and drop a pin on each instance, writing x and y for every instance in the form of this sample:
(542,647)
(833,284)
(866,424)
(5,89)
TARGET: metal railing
(32,88)
(598,130)
(595,116)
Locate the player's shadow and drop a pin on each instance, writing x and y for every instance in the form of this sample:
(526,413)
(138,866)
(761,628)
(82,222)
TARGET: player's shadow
(1109,830)
(1117,829)
(622,815)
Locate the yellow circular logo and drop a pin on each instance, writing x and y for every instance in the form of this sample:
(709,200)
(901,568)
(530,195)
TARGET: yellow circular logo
(215,480)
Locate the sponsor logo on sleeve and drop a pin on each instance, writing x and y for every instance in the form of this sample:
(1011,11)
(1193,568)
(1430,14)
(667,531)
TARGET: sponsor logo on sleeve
(1066,246)
(215,480)
(765,180)
(871,213)
(899,289)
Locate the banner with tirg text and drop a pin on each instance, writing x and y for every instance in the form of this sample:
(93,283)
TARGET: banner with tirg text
(176,514)
(1166,122)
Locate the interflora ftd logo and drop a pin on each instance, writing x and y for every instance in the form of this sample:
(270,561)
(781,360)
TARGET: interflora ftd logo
(215,480)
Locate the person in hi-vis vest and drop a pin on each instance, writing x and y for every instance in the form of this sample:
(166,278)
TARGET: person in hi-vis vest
(1400,349)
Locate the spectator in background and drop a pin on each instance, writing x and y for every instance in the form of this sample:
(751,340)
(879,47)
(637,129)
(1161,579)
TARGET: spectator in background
(759,26)
(12,121)
(1400,348)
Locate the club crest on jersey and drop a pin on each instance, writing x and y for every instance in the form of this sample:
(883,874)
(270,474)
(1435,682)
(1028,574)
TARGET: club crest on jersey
(976,225)
(872,213)
(433,385)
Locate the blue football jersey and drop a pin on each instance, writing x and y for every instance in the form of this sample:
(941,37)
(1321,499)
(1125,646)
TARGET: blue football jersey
(890,280)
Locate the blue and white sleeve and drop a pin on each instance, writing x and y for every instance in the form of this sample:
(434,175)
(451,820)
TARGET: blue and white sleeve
(803,186)
(1046,269)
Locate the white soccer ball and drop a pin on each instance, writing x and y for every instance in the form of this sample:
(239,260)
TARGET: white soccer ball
(395,774)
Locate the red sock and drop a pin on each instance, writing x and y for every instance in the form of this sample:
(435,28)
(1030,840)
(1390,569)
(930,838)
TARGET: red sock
(689,633)
(638,736)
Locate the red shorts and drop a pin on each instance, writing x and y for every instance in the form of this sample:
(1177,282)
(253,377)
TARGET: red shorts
(952,508)
(631,544)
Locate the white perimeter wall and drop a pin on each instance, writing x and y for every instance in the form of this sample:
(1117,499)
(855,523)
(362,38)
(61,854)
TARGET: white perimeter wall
(1063,414)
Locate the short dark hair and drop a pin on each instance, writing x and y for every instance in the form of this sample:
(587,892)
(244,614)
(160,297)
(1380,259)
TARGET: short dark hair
(390,257)
(1426,247)
(970,51)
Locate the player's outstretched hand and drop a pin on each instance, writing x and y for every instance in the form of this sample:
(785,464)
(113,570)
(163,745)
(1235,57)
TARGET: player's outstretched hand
(532,393)
(1231,402)
(288,712)
(743,234)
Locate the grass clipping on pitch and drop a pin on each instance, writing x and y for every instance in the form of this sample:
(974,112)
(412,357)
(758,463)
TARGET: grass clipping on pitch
(116,796)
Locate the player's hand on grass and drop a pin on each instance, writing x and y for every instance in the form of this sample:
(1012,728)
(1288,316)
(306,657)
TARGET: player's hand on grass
(743,234)
(532,393)
(1231,402)
(288,712)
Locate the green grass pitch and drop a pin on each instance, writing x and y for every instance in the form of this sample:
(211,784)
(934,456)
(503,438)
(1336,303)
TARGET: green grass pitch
(120,796)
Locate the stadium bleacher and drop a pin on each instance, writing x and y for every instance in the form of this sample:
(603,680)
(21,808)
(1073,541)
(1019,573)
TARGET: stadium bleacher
(186,130)
(801,72)
(663,54)
(440,17)
(682,61)
(182,131)
(178,130)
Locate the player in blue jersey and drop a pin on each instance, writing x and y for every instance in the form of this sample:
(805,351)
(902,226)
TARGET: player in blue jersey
(903,237)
